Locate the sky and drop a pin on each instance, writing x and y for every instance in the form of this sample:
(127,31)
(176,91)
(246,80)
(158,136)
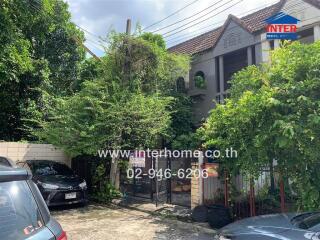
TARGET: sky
(98,17)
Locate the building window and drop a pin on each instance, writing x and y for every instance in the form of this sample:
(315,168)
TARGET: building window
(254,61)
(180,85)
(199,80)
(271,44)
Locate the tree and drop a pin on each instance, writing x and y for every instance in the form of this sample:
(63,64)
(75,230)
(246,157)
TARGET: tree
(127,106)
(273,113)
(37,52)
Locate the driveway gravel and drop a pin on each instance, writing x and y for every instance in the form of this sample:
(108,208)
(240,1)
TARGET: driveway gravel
(100,223)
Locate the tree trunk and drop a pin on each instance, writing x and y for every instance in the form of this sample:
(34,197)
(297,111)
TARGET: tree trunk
(117,183)
(272,187)
(114,174)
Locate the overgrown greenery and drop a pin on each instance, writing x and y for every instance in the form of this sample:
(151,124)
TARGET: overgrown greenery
(128,101)
(51,93)
(128,104)
(200,82)
(38,55)
(274,113)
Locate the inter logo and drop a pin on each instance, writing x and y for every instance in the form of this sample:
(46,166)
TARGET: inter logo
(282,26)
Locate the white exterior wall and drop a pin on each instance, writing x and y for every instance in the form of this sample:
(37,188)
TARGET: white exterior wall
(29,151)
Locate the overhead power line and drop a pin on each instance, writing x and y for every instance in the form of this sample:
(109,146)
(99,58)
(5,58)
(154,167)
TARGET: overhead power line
(284,9)
(97,42)
(206,19)
(87,31)
(193,15)
(212,26)
(217,23)
(37,8)
(172,14)
(97,46)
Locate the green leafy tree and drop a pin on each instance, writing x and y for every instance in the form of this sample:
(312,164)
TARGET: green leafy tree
(273,113)
(38,51)
(127,106)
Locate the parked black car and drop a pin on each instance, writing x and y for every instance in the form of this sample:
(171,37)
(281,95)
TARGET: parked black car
(23,213)
(57,182)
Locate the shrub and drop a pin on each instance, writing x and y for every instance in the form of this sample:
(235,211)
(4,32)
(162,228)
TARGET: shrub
(103,190)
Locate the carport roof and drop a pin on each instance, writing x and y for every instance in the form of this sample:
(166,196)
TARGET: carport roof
(253,22)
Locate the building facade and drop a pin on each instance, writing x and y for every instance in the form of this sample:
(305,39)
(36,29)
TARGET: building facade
(238,43)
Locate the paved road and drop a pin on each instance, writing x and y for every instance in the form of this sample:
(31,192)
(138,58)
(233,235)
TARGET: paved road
(101,223)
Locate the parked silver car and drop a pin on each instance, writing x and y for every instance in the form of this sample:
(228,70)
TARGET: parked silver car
(305,226)
(23,212)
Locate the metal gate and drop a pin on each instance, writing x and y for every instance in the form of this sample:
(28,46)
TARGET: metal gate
(149,183)
(135,182)
(180,187)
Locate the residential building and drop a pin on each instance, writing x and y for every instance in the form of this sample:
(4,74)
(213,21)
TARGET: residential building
(239,42)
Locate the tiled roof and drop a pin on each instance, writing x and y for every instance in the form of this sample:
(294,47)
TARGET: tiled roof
(253,22)
(197,44)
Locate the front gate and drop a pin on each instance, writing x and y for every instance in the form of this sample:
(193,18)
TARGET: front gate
(180,187)
(151,182)
(135,182)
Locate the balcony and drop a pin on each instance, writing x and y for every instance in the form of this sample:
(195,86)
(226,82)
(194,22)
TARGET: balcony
(197,92)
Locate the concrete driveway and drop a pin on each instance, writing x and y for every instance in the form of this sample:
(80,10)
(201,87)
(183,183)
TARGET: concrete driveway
(101,223)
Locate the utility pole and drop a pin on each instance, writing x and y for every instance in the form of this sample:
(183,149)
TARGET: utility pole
(128,28)
(115,171)
(126,67)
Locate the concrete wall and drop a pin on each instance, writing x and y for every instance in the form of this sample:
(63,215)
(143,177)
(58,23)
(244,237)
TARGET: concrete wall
(29,151)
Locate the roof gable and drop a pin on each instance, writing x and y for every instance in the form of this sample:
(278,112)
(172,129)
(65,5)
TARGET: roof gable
(232,18)
(252,22)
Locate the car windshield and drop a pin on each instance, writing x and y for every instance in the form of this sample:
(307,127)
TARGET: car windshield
(19,214)
(307,220)
(45,168)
